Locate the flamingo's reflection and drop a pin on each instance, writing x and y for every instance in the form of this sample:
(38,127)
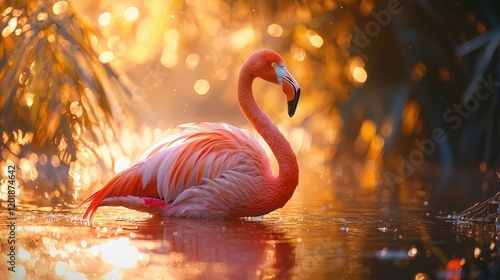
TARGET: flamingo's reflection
(235,249)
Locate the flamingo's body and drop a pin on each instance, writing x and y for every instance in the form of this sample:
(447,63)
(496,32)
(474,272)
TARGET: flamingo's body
(214,170)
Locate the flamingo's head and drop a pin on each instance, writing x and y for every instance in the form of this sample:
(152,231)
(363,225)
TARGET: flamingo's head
(270,66)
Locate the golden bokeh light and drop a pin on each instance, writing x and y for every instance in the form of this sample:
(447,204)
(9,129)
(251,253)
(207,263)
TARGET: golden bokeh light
(76,109)
(422,276)
(113,42)
(171,35)
(60,7)
(55,161)
(76,177)
(410,117)
(359,74)
(298,54)
(93,40)
(169,59)
(314,39)
(104,19)
(201,86)
(42,16)
(368,130)
(356,61)
(107,56)
(11,26)
(356,71)
(131,13)
(418,71)
(29,98)
(275,30)
(192,60)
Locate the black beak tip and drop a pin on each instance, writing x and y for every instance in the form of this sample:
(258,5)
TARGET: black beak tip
(292,104)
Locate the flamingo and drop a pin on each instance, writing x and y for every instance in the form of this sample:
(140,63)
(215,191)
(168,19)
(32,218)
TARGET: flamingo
(213,170)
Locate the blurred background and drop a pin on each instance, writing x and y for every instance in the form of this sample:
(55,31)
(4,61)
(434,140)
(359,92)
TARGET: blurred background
(393,92)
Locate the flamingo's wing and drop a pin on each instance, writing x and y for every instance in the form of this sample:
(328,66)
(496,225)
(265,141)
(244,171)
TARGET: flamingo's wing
(178,162)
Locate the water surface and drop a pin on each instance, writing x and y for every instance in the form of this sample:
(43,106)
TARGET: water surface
(327,231)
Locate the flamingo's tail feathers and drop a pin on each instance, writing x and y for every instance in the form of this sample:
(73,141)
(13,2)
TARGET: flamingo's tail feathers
(127,183)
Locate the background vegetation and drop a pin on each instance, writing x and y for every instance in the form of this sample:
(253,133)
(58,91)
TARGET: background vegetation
(395,92)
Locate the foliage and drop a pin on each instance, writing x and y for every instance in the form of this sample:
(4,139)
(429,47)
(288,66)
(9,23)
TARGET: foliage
(57,98)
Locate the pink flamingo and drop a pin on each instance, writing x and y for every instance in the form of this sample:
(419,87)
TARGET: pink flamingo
(214,170)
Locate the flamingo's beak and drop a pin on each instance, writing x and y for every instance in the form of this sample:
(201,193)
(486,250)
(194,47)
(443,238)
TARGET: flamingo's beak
(290,87)
(292,104)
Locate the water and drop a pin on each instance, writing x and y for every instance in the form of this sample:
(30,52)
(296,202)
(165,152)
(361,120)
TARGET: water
(326,231)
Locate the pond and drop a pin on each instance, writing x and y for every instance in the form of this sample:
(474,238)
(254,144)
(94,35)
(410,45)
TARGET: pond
(326,231)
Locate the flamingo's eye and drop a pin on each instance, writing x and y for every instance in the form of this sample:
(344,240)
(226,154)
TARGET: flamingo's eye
(273,64)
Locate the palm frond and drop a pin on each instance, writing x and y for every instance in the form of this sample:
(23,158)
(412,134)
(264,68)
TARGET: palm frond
(54,88)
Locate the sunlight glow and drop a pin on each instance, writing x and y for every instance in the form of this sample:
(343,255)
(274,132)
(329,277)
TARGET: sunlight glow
(121,164)
(242,37)
(119,253)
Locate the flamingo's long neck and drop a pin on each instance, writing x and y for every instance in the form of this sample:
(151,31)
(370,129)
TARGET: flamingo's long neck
(287,162)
